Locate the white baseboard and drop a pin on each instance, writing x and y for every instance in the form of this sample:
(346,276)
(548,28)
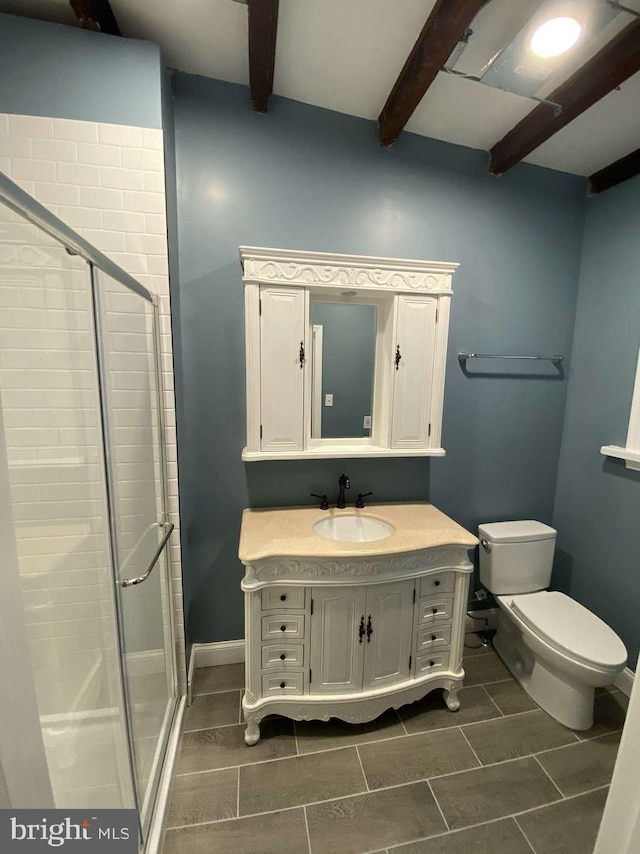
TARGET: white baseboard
(624,682)
(212,654)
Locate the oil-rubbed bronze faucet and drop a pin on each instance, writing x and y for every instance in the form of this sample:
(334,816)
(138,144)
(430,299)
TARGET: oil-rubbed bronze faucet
(343,483)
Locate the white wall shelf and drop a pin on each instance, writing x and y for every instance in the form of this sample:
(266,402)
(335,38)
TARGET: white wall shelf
(630,453)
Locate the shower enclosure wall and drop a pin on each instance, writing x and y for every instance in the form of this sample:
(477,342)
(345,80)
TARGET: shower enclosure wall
(85,528)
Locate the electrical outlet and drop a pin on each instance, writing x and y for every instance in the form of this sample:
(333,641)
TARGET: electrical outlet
(366,422)
(481,594)
(328,400)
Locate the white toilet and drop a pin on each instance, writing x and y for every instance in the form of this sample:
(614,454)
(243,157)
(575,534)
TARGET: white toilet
(556,648)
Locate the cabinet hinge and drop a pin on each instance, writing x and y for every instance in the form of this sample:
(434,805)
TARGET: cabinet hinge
(261,431)
(310,675)
(429,431)
(410,660)
(437,313)
(414,595)
(260,308)
(312,607)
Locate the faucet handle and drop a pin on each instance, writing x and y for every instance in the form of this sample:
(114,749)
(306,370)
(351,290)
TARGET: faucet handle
(324,504)
(360,499)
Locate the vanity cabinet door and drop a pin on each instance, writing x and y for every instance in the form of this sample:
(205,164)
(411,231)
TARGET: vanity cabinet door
(389,632)
(282,342)
(413,371)
(337,640)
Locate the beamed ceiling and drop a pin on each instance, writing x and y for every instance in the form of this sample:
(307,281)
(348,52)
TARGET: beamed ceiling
(384,61)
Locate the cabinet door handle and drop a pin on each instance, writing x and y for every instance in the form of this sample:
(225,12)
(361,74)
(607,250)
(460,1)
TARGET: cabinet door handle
(301,354)
(283,628)
(361,629)
(398,356)
(369,629)
(283,657)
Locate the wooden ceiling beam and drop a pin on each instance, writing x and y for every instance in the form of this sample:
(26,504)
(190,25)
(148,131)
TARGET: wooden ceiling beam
(96,15)
(444,28)
(263,27)
(623,169)
(614,63)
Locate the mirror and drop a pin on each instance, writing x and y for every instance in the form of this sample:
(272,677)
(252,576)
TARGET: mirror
(343,368)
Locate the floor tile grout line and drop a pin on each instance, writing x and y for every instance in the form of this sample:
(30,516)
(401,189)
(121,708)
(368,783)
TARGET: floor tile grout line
(480,763)
(306,824)
(526,838)
(437,803)
(494,702)
(366,782)
(494,820)
(238,796)
(396,786)
(550,778)
(575,743)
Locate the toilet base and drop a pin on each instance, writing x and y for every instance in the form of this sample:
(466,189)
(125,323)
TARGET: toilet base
(570,704)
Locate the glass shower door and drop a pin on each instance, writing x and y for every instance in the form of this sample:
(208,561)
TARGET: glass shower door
(127,332)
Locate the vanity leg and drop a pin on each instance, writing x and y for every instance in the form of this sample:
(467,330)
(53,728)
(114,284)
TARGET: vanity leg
(451,697)
(252,732)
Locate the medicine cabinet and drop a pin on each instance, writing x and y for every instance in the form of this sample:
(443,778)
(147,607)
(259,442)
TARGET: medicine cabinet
(345,354)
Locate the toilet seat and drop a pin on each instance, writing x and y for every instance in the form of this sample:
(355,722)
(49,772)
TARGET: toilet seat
(571,629)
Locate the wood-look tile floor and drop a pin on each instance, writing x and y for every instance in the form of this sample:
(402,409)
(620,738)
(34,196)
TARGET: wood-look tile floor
(497,777)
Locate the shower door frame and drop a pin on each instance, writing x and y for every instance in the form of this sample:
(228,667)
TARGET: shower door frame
(27,207)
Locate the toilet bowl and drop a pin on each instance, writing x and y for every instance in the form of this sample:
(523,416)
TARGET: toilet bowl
(557,649)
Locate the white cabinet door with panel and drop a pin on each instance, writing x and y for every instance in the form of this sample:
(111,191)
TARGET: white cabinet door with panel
(413,375)
(337,639)
(282,342)
(378,390)
(388,630)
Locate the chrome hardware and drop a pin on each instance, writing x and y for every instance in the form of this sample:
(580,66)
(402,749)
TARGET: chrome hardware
(486,545)
(462,357)
(131,582)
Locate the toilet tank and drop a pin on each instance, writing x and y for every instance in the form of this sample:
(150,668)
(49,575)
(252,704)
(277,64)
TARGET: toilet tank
(516,557)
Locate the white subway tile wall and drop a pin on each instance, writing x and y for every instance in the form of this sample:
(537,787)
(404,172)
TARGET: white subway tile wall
(107,182)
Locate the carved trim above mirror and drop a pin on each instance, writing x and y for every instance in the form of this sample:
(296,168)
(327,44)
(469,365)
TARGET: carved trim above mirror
(320,269)
(413,299)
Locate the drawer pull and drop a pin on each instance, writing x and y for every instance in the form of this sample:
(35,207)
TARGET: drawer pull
(434,637)
(283,684)
(283,657)
(433,611)
(431,663)
(284,628)
(437,583)
(283,598)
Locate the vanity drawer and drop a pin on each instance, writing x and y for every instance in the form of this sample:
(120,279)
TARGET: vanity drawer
(434,663)
(287,626)
(433,638)
(435,610)
(279,655)
(283,597)
(442,582)
(282,684)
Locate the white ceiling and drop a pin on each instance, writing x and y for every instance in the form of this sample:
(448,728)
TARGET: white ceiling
(345,55)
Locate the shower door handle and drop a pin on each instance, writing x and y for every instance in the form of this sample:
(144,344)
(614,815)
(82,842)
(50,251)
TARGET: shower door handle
(131,582)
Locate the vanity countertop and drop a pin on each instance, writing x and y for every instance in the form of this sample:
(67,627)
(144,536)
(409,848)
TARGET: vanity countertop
(288,531)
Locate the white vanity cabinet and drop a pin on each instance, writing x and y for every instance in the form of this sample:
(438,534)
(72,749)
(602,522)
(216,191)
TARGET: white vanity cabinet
(351,637)
(293,378)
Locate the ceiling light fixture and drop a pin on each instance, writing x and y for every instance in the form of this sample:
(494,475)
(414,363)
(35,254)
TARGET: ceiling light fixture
(555,37)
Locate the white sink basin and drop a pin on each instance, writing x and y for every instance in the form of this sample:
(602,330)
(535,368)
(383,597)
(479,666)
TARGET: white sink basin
(353,529)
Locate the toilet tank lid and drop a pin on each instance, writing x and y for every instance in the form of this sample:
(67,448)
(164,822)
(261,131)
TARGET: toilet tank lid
(524,531)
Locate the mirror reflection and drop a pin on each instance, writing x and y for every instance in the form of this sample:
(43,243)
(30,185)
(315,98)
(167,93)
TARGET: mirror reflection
(343,366)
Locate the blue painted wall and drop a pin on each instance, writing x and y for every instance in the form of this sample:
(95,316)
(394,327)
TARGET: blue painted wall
(597,508)
(306,178)
(69,73)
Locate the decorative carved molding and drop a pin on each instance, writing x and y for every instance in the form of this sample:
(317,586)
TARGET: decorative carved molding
(325,270)
(336,570)
(356,710)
